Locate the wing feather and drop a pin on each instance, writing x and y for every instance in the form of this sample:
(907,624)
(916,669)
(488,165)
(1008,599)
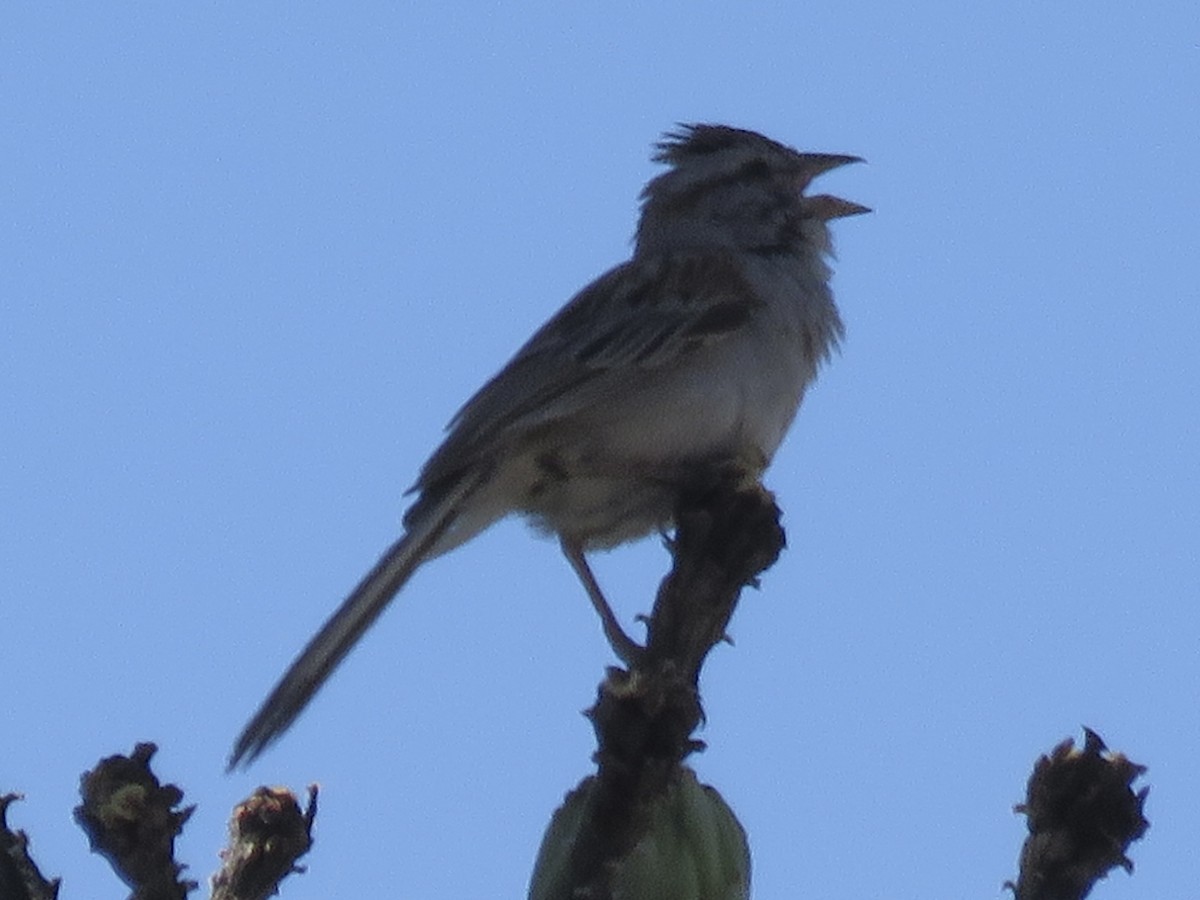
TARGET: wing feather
(642,315)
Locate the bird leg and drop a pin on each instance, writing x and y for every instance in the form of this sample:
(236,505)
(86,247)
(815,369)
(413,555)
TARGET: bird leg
(627,649)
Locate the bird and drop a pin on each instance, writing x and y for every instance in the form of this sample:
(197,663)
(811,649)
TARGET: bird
(692,356)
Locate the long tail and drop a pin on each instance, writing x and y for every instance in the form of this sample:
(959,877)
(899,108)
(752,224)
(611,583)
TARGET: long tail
(310,670)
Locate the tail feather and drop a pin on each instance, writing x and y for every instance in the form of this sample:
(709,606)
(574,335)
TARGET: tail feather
(314,665)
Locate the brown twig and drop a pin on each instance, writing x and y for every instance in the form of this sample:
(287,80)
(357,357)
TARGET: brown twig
(267,835)
(20,878)
(726,535)
(1082,816)
(132,821)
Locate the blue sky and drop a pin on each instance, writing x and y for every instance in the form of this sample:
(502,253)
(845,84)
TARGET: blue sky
(253,257)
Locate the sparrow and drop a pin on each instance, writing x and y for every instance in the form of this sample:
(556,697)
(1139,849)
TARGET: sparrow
(691,357)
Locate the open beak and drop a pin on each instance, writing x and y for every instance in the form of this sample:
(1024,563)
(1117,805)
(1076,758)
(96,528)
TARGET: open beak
(824,206)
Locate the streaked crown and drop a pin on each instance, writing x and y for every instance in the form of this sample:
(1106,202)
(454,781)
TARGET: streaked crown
(731,187)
